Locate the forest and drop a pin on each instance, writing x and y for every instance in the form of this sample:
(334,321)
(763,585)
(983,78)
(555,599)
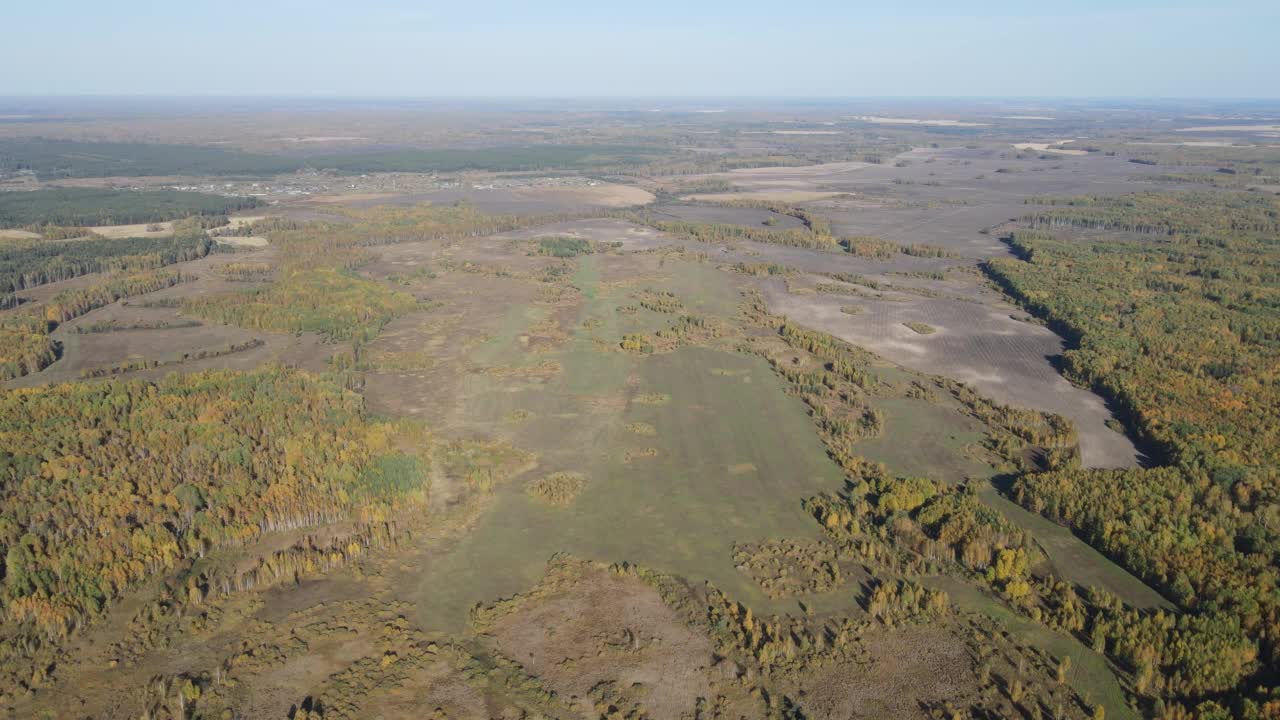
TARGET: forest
(522,158)
(1171,314)
(155,476)
(564,247)
(51,159)
(333,302)
(100,206)
(724,232)
(27,264)
(1193,305)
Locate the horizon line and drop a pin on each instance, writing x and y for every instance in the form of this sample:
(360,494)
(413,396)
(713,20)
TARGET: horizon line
(595,96)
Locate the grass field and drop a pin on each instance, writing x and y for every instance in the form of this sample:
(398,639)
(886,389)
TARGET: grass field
(678,509)
(938,436)
(678,498)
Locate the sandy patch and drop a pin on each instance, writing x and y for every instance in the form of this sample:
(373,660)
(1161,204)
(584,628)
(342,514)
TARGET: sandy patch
(603,195)
(1049,148)
(131,231)
(16,234)
(917,121)
(242,241)
(238,222)
(530,199)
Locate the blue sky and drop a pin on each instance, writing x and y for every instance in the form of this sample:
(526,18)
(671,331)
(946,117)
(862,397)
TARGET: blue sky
(645,48)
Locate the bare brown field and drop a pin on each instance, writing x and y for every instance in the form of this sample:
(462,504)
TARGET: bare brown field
(976,343)
(783,196)
(236,222)
(530,200)
(903,674)
(783,175)
(743,216)
(363,199)
(602,230)
(243,241)
(595,638)
(163,229)
(605,195)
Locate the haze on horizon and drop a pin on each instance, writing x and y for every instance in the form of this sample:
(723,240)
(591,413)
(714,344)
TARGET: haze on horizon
(397,48)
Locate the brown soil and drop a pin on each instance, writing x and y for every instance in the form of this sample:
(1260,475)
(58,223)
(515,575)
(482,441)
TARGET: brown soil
(604,628)
(905,670)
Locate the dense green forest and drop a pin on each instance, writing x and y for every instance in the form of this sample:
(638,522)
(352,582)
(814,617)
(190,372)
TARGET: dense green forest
(565,247)
(50,159)
(101,206)
(530,157)
(1194,305)
(1172,314)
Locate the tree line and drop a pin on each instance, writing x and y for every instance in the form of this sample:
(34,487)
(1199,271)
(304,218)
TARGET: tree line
(26,264)
(102,206)
(1179,328)
(25,343)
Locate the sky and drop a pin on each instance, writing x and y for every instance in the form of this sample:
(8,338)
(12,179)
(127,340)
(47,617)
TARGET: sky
(652,48)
